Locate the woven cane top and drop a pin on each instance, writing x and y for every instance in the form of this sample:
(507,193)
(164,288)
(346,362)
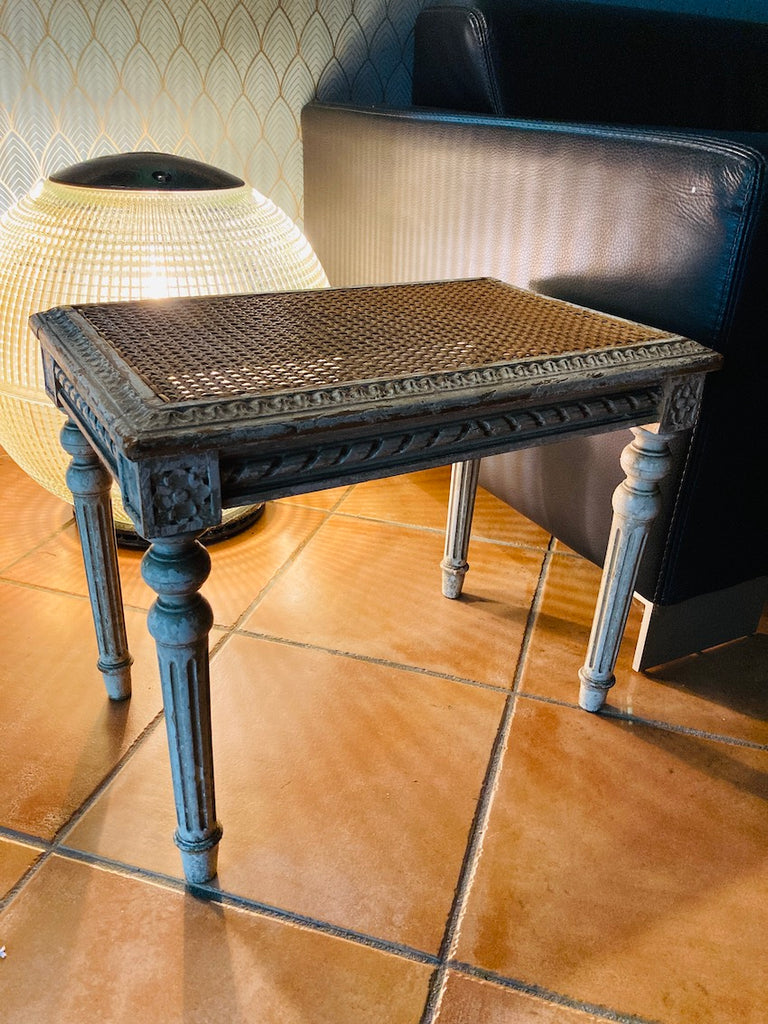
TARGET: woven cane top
(261,344)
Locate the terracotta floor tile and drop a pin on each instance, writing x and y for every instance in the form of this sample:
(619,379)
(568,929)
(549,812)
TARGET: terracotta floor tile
(469,1000)
(59,733)
(723,691)
(84,944)
(421,499)
(29,515)
(625,866)
(241,566)
(317,499)
(15,859)
(374,589)
(346,790)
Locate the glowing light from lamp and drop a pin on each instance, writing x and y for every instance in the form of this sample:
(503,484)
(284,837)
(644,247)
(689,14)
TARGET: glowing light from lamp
(133,226)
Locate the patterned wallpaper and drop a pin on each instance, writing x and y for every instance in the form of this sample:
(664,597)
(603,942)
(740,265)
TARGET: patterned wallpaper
(216,80)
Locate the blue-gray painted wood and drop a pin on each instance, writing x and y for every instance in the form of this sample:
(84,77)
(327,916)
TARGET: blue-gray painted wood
(384,383)
(179,622)
(90,485)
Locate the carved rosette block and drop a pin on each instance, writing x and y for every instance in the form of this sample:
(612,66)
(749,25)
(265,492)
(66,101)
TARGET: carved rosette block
(461,507)
(636,502)
(172,496)
(180,620)
(90,484)
(682,399)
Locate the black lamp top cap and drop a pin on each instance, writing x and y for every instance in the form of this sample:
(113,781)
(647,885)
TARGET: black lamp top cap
(159,172)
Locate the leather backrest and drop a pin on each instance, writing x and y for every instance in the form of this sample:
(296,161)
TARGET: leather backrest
(655,228)
(661,228)
(566,60)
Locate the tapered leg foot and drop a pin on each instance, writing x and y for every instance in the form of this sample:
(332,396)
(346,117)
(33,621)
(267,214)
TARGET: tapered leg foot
(90,484)
(592,694)
(636,502)
(199,861)
(461,506)
(180,620)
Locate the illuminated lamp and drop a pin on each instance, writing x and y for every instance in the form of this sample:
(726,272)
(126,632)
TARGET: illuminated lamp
(130,226)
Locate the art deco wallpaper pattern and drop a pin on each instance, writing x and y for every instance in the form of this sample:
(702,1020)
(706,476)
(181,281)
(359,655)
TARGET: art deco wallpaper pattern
(222,81)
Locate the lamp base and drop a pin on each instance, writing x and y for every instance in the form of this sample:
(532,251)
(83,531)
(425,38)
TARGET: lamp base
(231,527)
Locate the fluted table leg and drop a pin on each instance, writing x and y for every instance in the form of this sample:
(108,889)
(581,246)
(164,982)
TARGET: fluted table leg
(461,506)
(636,502)
(180,620)
(90,484)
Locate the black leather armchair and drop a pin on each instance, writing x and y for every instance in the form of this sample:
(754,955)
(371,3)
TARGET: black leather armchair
(669,227)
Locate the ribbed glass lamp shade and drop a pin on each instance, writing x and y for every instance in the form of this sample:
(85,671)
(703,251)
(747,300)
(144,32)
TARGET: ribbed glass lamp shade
(139,225)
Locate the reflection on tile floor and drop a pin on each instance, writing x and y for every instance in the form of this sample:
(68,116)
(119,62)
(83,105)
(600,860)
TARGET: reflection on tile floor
(420,825)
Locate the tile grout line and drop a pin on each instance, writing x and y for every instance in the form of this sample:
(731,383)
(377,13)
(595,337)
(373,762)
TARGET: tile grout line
(236,626)
(483,809)
(74,819)
(613,713)
(40,588)
(49,847)
(218,896)
(372,660)
(680,730)
(57,844)
(443,964)
(36,547)
(227,632)
(550,997)
(43,848)
(440,530)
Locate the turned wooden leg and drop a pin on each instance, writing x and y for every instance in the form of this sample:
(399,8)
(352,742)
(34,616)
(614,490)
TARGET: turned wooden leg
(636,502)
(179,621)
(461,506)
(90,484)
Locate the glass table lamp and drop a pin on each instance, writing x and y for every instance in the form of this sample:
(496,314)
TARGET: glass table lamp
(124,227)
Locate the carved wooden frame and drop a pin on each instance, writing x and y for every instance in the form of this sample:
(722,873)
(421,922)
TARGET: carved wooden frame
(179,464)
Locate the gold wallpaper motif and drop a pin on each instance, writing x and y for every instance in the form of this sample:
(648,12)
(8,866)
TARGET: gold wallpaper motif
(216,80)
